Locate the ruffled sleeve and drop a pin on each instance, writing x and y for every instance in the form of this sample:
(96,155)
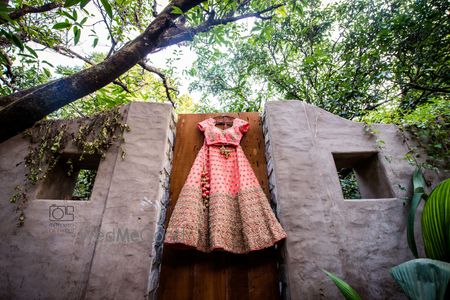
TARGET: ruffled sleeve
(203,124)
(243,125)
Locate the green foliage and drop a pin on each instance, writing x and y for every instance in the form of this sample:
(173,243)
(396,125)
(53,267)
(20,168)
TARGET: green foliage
(78,22)
(354,58)
(436,223)
(142,86)
(84,184)
(49,138)
(349,185)
(428,125)
(419,191)
(23,39)
(176,10)
(347,291)
(107,7)
(423,279)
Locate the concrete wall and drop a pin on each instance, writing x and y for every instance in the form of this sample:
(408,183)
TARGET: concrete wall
(359,240)
(65,260)
(112,248)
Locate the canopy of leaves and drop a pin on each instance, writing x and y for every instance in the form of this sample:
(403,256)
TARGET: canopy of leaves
(59,28)
(62,26)
(374,61)
(348,58)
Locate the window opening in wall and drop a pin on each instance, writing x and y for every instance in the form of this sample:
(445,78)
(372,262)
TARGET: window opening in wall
(362,176)
(70,179)
(349,183)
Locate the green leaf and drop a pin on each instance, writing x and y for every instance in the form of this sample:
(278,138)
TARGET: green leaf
(47,72)
(5,9)
(76,34)
(94,44)
(69,3)
(32,51)
(418,181)
(62,25)
(3,59)
(13,38)
(107,7)
(83,3)
(46,62)
(347,291)
(419,190)
(436,223)
(423,278)
(5,17)
(411,219)
(32,58)
(17,41)
(176,10)
(66,14)
(74,14)
(83,21)
(4,12)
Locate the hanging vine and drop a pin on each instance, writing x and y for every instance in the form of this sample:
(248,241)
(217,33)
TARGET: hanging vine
(49,138)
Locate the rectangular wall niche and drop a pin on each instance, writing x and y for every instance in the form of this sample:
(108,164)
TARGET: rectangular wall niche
(362,176)
(70,179)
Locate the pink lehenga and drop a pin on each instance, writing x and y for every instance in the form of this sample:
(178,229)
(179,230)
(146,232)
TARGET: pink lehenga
(221,205)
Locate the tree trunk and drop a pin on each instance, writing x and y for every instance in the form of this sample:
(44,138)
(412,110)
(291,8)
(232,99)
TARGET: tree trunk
(21,110)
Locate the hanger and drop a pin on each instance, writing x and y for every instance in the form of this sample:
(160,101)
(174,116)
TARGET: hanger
(224,120)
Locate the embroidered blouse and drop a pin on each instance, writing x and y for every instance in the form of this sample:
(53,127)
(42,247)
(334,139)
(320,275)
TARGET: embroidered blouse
(217,136)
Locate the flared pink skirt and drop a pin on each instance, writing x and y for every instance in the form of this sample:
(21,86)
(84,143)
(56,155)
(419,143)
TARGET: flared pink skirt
(239,218)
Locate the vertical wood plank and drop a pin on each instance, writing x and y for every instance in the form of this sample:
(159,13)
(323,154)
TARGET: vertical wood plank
(190,274)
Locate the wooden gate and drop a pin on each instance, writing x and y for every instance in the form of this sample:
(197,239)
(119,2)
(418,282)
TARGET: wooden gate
(190,274)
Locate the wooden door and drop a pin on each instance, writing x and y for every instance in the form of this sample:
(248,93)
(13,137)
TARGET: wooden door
(190,274)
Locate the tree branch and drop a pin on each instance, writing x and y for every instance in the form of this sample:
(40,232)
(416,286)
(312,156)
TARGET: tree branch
(22,109)
(163,77)
(154,8)
(105,20)
(68,52)
(8,65)
(429,89)
(187,34)
(8,84)
(25,9)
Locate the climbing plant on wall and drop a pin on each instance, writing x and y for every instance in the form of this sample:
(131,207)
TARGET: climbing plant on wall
(48,140)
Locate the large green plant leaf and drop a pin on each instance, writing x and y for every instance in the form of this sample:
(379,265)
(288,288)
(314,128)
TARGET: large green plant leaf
(347,291)
(419,190)
(436,223)
(107,7)
(423,278)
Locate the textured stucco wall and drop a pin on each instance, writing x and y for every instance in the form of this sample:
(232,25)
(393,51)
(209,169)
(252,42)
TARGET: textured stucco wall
(359,240)
(38,261)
